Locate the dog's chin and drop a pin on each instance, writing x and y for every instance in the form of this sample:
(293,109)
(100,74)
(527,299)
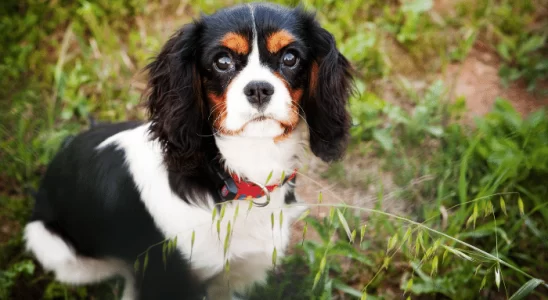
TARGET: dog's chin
(262,128)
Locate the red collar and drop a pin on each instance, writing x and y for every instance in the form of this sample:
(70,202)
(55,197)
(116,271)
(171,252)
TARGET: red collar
(246,190)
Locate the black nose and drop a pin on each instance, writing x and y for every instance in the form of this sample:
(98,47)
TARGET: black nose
(259,93)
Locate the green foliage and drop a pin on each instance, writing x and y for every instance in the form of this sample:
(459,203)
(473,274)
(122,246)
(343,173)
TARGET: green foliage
(8,277)
(524,58)
(71,85)
(62,62)
(410,12)
(520,37)
(526,289)
(502,160)
(504,154)
(323,262)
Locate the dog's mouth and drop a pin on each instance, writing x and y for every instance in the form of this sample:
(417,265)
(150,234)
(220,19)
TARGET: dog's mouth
(261,125)
(260,119)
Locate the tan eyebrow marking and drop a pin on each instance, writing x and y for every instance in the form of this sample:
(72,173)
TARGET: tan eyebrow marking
(276,41)
(236,42)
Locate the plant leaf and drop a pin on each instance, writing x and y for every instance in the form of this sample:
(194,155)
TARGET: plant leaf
(497,277)
(316,279)
(169,247)
(386,263)
(477,269)
(305,229)
(392,242)
(227,238)
(339,285)
(344,224)
(488,208)
(219,229)
(526,289)
(249,207)
(323,262)
(223,210)
(434,266)
(192,239)
(213,214)
(274,256)
(475,213)
(444,255)
(458,253)
(136,265)
(145,263)
(362,232)
(304,215)
(483,282)
(407,235)
(269,177)
(520,205)
(409,285)
(384,138)
(227,266)
(331,215)
(417,6)
(503,206)
(281,219)
(237,211)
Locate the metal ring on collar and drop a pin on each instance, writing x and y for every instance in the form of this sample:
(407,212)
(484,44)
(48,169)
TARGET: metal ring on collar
(266,193)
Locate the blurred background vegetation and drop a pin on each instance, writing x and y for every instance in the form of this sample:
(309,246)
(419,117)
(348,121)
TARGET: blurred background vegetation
(449,144)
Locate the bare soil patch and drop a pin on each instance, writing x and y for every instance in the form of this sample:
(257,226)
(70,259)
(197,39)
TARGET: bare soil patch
(477,79)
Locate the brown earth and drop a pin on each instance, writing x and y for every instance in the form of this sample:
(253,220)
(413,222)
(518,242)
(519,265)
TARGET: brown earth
(477,79)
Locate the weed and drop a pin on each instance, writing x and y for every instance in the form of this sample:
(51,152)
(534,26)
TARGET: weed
(477,227)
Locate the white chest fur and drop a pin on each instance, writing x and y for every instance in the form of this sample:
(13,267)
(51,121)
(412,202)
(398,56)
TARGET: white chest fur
(253,234)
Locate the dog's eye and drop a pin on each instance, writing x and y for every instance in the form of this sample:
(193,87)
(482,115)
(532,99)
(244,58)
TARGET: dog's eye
(290,59)
(223,63)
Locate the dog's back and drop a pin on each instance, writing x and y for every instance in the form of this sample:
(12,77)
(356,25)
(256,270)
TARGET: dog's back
(87,227)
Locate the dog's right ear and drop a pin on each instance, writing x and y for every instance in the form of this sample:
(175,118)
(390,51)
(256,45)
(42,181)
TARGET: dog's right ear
(174,100)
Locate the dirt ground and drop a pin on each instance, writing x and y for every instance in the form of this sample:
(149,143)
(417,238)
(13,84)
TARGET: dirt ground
(477,80)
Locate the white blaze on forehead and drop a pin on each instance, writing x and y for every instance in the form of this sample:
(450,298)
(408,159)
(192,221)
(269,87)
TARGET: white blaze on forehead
(240,111)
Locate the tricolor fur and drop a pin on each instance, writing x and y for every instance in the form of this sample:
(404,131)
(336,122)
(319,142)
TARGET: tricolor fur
(250,86)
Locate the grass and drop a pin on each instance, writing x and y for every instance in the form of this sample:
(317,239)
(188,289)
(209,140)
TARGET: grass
(476,219)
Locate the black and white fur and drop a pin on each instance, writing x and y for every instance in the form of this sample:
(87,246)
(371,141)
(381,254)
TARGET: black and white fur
(116,190)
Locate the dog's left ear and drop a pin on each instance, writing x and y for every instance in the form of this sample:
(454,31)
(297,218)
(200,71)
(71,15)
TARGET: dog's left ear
(330,86)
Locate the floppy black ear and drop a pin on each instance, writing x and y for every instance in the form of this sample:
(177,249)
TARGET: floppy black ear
(175,105)
(329,89)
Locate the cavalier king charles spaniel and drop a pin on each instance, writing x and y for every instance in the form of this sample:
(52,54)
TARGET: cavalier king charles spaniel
(193,203)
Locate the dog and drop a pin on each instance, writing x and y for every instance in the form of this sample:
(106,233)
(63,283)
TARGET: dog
(196,201)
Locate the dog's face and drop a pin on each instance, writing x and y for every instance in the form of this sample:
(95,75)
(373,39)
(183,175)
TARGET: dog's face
(250,71)
(255,66)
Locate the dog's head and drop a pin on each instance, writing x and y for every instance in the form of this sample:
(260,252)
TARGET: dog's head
(249,71)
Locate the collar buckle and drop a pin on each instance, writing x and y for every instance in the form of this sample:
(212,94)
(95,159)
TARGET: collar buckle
(231,187)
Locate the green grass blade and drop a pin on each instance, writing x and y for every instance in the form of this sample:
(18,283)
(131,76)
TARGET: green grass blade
(344,224)
(526,289)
